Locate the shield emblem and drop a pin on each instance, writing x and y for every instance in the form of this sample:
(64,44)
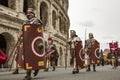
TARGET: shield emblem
(79,54)
(34,55)
(95,51)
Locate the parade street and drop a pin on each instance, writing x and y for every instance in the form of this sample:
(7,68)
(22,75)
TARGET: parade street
(102,73)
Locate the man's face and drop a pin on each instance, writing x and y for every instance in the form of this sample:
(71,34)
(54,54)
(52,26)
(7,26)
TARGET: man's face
(90,36)
(29,15)
(72,34)
(49,42)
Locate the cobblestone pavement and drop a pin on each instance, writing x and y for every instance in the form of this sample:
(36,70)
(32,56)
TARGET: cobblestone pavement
(102,73)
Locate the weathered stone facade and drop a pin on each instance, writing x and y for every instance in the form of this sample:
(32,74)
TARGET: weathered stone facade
(55,19)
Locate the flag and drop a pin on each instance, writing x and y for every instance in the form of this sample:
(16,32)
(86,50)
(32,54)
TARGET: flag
(111,45)
(50,51)
(3,57)
(116,47)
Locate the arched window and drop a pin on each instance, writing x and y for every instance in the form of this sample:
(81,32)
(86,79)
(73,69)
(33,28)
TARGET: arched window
(60,24)
(54,19)
(25,6)
(64,26)
(28,4)
(2,43)
(8,3)
(61,53)
(44,13)
(6,40)
(4,2)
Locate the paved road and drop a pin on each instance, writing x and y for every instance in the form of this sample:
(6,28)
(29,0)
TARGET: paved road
(103,73)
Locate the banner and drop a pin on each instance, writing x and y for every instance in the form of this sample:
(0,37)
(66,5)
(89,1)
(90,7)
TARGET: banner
(116,47)
(113,47)
(34,55)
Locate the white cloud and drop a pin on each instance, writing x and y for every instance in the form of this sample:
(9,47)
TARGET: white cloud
(101,17)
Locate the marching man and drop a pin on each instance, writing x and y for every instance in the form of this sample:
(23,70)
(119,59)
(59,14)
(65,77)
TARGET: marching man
(32,20)
(52,54)
(90,45)
(73,52)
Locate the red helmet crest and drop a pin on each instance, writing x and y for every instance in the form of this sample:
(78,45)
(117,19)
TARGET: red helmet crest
(50,39)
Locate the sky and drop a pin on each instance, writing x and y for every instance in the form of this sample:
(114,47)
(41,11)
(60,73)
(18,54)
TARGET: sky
(100,17)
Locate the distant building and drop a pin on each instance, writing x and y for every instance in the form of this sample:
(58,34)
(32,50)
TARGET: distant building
(55,19)
(106,51)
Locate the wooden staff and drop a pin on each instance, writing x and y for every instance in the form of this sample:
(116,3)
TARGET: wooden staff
(15,52)
(12,60)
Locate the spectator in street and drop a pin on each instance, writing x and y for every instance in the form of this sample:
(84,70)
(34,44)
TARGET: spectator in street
(114,60)
(52,55)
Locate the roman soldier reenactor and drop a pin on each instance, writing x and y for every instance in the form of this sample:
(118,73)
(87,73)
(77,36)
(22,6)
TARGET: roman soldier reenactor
(91,48)
(75,47)
(51,55)
(32,20)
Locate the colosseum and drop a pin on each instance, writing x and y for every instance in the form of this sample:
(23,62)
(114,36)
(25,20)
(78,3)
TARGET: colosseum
(55,19)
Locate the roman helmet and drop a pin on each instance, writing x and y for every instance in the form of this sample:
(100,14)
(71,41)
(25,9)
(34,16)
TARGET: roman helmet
(91,35)
(72,33)
(30,13)
(50,40)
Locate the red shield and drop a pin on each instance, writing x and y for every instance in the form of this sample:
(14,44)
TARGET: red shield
(79,54)
(32,37)
(95,51)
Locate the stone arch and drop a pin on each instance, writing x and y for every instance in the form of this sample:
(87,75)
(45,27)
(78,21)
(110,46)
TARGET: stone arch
(25,6)
(7,41)
(44,13)
(54,19)
(2,43)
